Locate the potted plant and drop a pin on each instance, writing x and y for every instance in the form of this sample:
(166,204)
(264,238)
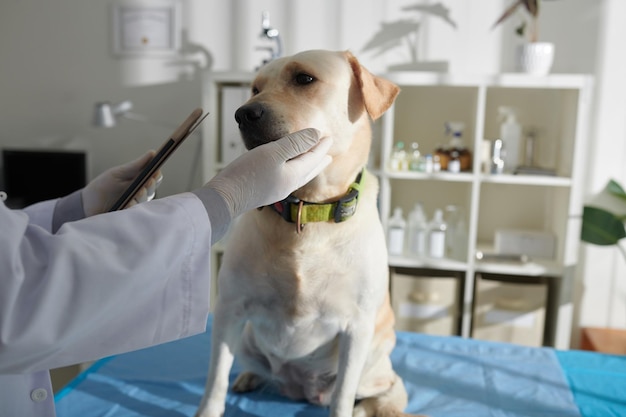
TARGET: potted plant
(603,224)
(532,56)
(405,32)
(604,216)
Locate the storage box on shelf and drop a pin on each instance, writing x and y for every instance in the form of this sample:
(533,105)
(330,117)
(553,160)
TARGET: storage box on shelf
(426,300)
(555,109)
(510,309)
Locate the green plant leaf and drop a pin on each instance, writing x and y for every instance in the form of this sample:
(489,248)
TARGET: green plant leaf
(615,189)
(601,227)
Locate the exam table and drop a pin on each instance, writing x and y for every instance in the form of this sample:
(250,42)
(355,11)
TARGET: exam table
(444,376)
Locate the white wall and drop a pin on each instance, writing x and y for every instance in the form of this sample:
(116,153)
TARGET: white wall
(55,62)
(603,271)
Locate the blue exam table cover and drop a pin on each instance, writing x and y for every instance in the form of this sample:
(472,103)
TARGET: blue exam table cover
(444,376)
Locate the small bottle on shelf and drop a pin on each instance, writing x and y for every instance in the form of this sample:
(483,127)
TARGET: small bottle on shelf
(398,161)
(497,157)
(451,217)
(437,236)
(415,158)
(395,232)
(429,165)
(442,152)
(457,150)
(436,163)
(459,250)
(510,133)
(454,164)
(456,233)
(417,230)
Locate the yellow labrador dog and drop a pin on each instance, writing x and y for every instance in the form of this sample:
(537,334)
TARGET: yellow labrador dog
(303,288)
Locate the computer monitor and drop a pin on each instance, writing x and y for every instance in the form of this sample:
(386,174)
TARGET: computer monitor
(31,176)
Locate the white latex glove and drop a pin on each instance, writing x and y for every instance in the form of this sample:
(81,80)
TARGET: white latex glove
(270,172)
(103,191)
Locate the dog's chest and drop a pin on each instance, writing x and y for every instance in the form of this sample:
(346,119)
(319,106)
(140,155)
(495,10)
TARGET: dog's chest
(311,337)
(266,258)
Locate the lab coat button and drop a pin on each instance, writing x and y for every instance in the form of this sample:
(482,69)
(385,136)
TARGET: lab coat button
(38,395)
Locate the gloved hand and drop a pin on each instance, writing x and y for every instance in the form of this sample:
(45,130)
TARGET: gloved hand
(270,172)
(103,191)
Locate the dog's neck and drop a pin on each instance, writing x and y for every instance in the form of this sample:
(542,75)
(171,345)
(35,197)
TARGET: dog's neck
(328,186)
(332,183)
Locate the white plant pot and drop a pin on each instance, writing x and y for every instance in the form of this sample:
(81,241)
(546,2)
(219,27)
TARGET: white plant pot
(535,58)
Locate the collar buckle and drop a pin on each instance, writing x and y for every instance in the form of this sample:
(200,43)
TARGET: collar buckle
(283,208)
(346,206)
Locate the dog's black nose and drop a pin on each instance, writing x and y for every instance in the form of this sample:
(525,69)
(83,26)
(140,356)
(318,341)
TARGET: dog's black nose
(249,113)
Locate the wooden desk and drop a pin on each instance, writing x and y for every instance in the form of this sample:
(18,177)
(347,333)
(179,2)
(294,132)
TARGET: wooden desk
(605,340)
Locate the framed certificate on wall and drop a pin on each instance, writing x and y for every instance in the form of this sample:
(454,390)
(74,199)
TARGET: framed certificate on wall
(144,28)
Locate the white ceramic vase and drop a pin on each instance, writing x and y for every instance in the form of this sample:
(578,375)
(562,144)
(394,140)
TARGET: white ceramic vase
(535,58)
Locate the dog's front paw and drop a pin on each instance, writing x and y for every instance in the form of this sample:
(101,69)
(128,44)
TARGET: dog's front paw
(247,381)
(210,408)
(209,413)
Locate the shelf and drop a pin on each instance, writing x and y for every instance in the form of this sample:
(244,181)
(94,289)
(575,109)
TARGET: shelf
(444,264)
(513,80)
(544,180)
(531,268)
(540,180)
(443,176)
(556,107)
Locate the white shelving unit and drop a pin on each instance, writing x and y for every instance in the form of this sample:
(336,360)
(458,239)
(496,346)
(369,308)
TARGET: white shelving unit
(556,105)
(218,131)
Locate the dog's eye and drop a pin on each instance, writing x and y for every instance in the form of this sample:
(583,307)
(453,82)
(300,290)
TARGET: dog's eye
(304,79)
(255,91)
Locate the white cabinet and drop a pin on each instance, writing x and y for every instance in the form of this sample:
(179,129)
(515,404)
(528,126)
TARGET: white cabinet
(222,94)
(556,106)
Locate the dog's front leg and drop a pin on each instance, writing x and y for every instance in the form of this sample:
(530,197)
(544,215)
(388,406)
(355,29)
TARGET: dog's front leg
(354,345)
(226,331)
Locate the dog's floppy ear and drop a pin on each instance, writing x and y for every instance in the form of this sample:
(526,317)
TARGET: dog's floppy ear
(378,93)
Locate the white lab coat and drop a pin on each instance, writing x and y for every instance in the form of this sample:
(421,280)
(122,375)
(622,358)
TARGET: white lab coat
(93,289)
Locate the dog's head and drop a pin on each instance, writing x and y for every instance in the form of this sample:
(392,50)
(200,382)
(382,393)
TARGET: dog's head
(326,90)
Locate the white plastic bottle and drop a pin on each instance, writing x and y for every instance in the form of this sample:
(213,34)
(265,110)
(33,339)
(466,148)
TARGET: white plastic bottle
(460,238)
(398,160)
(456,233)
(395,232)
(511,134)
(414,158)
(417,230)
(437,236)
(451,217)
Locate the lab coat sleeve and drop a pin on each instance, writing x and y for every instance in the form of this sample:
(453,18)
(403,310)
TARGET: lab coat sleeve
(101,286)
(41,214)
(52,214)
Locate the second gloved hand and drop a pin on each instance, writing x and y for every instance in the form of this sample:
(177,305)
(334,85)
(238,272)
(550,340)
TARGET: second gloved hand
(103,191)
(270,172)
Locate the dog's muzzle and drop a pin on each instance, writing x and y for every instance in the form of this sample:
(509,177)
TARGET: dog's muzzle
(255,125)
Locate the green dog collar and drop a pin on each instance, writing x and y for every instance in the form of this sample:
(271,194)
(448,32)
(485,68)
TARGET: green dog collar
(301,212)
